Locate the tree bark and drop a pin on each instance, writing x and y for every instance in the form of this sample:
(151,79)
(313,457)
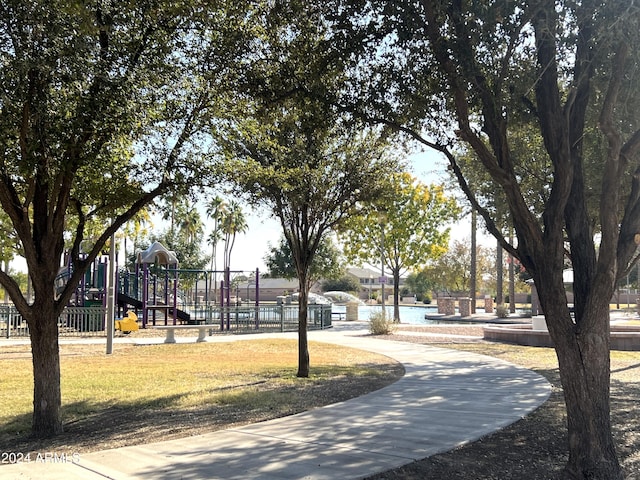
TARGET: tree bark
(303,342)
(47,398)
(396,295)
(583,358)
(582,345)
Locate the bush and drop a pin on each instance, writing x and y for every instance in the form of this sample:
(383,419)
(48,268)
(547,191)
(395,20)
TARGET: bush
(380,324)
(346,283)
(502,311)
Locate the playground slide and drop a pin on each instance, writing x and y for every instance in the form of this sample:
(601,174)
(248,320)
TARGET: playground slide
(124,300)
(182,315)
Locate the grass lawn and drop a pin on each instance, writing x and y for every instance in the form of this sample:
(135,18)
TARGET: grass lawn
(161,389)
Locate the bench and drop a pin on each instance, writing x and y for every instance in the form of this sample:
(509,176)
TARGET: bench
(170,338)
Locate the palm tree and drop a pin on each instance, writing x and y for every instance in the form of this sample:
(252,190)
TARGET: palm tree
(138,228)
(191,226)
(216,210)
(233,222)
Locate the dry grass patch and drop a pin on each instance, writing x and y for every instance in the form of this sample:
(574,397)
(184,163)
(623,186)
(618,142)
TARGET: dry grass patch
(156,392)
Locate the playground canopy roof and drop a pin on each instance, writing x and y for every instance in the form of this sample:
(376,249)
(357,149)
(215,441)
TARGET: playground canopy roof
(157,253)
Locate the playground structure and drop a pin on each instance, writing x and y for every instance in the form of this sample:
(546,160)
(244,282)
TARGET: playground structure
(159,293)
(127,324)
(85,312)
(91,291)
(154,289)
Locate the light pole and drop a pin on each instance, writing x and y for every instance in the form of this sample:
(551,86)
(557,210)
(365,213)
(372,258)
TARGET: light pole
(111,294)
(383,279)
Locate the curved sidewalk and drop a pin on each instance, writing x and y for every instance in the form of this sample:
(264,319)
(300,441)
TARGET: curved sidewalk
(445,399)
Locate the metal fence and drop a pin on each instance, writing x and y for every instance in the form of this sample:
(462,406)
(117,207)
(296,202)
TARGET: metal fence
(279,318)
(90,321)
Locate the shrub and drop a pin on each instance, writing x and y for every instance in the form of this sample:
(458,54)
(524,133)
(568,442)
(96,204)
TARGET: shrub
(346,283)
(380,324)
(502,311)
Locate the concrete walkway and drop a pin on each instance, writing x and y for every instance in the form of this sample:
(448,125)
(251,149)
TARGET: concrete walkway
(445,399)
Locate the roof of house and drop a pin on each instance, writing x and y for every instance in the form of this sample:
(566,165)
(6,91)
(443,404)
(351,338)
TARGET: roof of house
(264,283)
(363,272)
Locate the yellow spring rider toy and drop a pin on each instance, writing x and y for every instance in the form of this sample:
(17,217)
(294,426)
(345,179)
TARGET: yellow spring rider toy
(128,324)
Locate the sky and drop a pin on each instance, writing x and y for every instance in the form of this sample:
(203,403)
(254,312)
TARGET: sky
(250,249)
(263,230)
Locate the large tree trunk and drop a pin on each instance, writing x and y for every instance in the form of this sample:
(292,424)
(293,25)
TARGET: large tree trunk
(47,400)
(583,357)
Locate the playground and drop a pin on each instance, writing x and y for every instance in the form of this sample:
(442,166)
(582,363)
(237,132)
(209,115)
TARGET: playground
(157,292)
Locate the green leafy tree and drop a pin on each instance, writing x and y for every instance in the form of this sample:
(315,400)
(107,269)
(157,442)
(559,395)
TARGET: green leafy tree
(471,74)
(190,254)
(404,229)
(310,174)
(451,272)
(326,261)
(345,283)
(102,111)
(289,150)
(419,283)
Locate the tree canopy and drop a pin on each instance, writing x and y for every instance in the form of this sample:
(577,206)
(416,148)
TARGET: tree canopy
(310,173)
(405,227)
(103,107)
(451,273)
(289,149)
(476,75)
(325,265)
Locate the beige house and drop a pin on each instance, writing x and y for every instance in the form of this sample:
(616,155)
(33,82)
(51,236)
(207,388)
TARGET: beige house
(270,289)
(371,282)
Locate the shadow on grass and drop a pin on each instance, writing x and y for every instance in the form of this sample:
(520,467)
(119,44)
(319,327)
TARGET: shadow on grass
(91,426)
(625,417)
(627,368)
(89,423)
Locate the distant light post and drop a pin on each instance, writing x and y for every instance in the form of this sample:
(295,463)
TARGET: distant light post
(383,279)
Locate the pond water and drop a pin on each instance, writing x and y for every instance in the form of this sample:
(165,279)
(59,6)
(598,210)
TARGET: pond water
(413,315)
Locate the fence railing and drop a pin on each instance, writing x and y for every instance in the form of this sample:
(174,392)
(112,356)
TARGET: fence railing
(90,321)
(283,318)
